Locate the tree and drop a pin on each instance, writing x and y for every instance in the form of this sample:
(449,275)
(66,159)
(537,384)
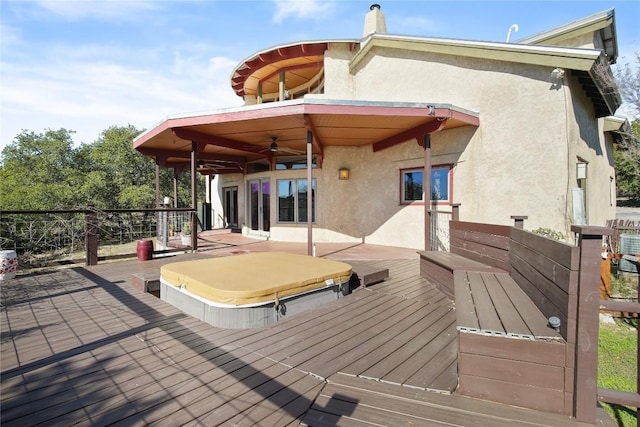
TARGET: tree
(38,171)
(627,154)
(45,172)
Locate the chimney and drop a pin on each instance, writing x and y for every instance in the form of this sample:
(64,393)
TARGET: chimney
(374,21)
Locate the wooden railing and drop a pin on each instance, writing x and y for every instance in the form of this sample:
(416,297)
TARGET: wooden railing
(576,300)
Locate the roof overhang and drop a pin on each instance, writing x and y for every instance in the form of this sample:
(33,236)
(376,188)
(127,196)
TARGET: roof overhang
(589,64)
(618,127)
(302,60)
(602,22)
(232,137)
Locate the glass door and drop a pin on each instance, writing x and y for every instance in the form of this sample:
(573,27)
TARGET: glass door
(259,206)
(231,207)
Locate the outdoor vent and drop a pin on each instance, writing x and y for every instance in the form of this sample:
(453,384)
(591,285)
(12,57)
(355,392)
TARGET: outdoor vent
(629,245)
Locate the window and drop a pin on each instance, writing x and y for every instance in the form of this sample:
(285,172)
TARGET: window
(292,200)
(412,184)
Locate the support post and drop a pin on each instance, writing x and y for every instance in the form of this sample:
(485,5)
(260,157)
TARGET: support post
(587,322)
(194,195)
(157,182)
(91,236)
(309,193)
(175,187)
(427,191)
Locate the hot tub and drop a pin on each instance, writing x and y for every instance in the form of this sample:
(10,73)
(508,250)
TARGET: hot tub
(252,290)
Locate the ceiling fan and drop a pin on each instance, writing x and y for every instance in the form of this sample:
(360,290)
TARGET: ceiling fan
(274,148)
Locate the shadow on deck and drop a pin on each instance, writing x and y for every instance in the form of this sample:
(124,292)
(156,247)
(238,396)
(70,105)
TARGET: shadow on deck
(81,346)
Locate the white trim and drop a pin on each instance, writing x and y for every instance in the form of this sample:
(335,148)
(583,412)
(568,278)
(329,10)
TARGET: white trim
(553,56)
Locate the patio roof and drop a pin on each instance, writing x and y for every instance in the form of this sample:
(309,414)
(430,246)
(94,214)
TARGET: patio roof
(229,138)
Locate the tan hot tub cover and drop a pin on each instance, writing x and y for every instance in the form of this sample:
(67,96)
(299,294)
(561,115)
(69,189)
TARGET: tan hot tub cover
(254,278)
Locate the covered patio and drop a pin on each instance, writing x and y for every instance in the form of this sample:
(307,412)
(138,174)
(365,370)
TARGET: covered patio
(265,137)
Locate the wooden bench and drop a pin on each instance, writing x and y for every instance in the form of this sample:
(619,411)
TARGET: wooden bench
(507,352)
(473,247)
(439,268)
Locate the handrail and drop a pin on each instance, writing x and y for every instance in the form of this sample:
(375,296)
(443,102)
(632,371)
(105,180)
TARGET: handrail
(37,235)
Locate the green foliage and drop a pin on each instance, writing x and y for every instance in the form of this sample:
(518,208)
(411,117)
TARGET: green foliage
(46,172)
(617,366)
(36,171)
(549,233)
(627,154)
(627,161)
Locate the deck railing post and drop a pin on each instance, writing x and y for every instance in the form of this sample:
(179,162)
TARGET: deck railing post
(587,322)
(518,221)
(455,212)
(91,236)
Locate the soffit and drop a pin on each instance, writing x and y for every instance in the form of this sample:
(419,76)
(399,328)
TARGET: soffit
(244,134)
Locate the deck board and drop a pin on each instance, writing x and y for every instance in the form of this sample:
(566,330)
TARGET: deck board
(82,346)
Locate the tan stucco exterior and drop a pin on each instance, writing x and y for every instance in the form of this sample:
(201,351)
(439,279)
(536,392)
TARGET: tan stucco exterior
(535,121)
(520,161)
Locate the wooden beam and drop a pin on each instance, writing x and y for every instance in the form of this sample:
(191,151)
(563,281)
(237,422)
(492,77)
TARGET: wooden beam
(426,128)
(317,144)
(191,135)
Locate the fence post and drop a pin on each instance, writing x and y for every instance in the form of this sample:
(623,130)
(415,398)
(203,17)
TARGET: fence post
(587,322)
(518,221)
(91,236)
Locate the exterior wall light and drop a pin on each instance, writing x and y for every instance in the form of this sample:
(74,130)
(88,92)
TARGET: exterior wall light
(581,170)
(343,174)
(557,73)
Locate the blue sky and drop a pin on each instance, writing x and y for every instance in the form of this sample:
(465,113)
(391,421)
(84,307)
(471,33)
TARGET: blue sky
(87,65)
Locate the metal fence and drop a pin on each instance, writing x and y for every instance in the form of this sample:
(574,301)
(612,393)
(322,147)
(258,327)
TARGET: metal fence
(42,238)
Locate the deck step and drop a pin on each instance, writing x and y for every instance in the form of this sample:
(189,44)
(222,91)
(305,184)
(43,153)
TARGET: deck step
(369,274)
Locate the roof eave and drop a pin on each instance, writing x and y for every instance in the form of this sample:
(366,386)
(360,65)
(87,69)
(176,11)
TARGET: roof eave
(570,58)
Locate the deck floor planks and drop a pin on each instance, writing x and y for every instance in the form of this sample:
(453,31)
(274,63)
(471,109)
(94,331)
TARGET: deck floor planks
(355,341)
(435,340)
(410,348)
(199,400)
(385,353)
(284,333)
(307,388)
(176,391)
(313,343)
(125,356)
(453,410)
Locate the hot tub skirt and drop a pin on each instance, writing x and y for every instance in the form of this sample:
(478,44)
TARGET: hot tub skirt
(248,315)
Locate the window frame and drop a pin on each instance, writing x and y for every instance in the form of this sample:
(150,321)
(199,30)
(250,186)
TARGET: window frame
(434,169)
(296,201)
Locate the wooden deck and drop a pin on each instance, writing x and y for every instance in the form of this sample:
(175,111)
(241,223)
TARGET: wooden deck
(82,346)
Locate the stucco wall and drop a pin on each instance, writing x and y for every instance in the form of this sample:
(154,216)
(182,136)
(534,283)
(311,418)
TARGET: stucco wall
(519,161)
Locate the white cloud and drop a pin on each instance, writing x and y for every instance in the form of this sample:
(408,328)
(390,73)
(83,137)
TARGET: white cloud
(300,9)
(90,96)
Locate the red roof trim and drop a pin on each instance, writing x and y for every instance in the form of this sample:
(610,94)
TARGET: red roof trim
(263,59)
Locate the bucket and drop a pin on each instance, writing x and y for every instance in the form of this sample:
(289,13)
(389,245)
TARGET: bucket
(8,265)
(144,250)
